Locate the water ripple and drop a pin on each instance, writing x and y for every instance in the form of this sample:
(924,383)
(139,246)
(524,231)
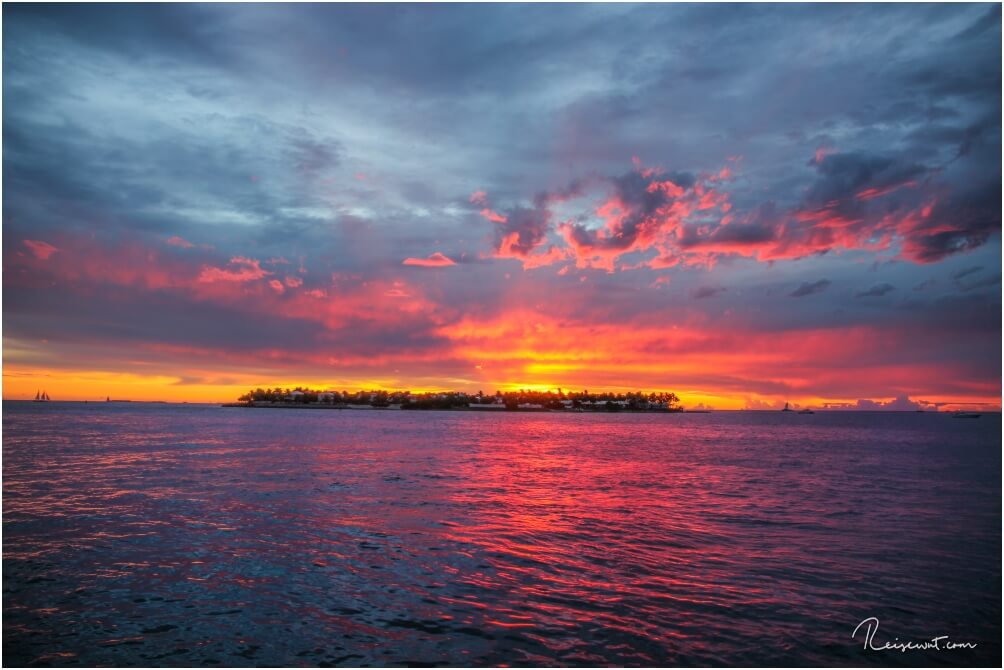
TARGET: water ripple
(196,535)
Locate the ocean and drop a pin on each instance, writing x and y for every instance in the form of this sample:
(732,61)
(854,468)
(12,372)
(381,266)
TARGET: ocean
(196,535)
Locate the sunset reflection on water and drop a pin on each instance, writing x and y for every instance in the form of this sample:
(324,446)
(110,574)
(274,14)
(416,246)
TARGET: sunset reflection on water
(168,535)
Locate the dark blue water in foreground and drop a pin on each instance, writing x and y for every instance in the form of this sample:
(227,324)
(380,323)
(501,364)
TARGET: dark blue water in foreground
(195,535)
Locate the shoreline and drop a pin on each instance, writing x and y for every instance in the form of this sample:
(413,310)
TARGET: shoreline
(318,406)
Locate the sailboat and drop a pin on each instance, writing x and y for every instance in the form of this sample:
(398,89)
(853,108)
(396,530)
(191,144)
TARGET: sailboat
(787,408)
(41,396)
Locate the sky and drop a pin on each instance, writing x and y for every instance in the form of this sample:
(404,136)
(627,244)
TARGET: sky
(744,204)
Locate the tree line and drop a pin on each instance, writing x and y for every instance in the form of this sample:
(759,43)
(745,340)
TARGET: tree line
(557,399)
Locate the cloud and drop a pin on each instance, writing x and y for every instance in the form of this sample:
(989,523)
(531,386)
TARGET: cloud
(177,241)
(809,288)
(857,176)
(238,270)
(899,404)
(956,224)
(966,272)
(707,292)
(644,209)
(521,231)
(909,170)
(876,291)
(41,250)
(858,201)
(435,260)
(986,282)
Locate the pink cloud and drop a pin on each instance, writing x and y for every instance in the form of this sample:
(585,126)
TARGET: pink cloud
(878,192)
(822,152)
(692,222)
(294,282)
(480,198)
(176,241)
(239,270)
(435,260)
(540,259)
(41,250)
(493,216)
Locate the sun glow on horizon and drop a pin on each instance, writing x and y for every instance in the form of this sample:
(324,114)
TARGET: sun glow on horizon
(23,383)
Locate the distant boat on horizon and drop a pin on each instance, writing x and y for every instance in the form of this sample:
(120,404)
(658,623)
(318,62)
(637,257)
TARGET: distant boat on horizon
(965,415)
(41,396)
(806,411)
(787,408)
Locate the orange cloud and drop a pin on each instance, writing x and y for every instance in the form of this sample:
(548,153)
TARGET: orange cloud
(240,270)
(493,216)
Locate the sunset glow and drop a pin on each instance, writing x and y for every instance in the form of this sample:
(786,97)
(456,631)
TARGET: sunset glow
(469,214)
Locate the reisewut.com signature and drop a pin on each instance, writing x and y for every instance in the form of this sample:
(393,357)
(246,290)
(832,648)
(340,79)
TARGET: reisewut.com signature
(870,628)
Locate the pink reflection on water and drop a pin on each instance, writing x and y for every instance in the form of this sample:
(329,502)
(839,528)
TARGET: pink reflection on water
(300,538)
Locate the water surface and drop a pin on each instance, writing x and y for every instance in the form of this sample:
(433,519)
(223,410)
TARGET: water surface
(140,534)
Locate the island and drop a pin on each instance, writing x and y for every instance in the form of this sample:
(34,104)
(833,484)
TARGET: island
(508,401)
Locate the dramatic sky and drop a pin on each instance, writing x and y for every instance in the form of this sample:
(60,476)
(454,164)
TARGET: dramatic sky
(742,204)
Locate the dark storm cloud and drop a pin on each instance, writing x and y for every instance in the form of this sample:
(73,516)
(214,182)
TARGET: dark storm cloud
(961,222)
(759,226)
(809,288)
(523,230)
(846,178)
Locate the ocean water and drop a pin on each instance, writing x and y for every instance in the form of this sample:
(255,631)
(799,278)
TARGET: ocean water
(155,535)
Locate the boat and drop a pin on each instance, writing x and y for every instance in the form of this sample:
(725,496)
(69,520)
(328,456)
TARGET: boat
(41,396)
(787,408)
(806,411)
(966,415)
